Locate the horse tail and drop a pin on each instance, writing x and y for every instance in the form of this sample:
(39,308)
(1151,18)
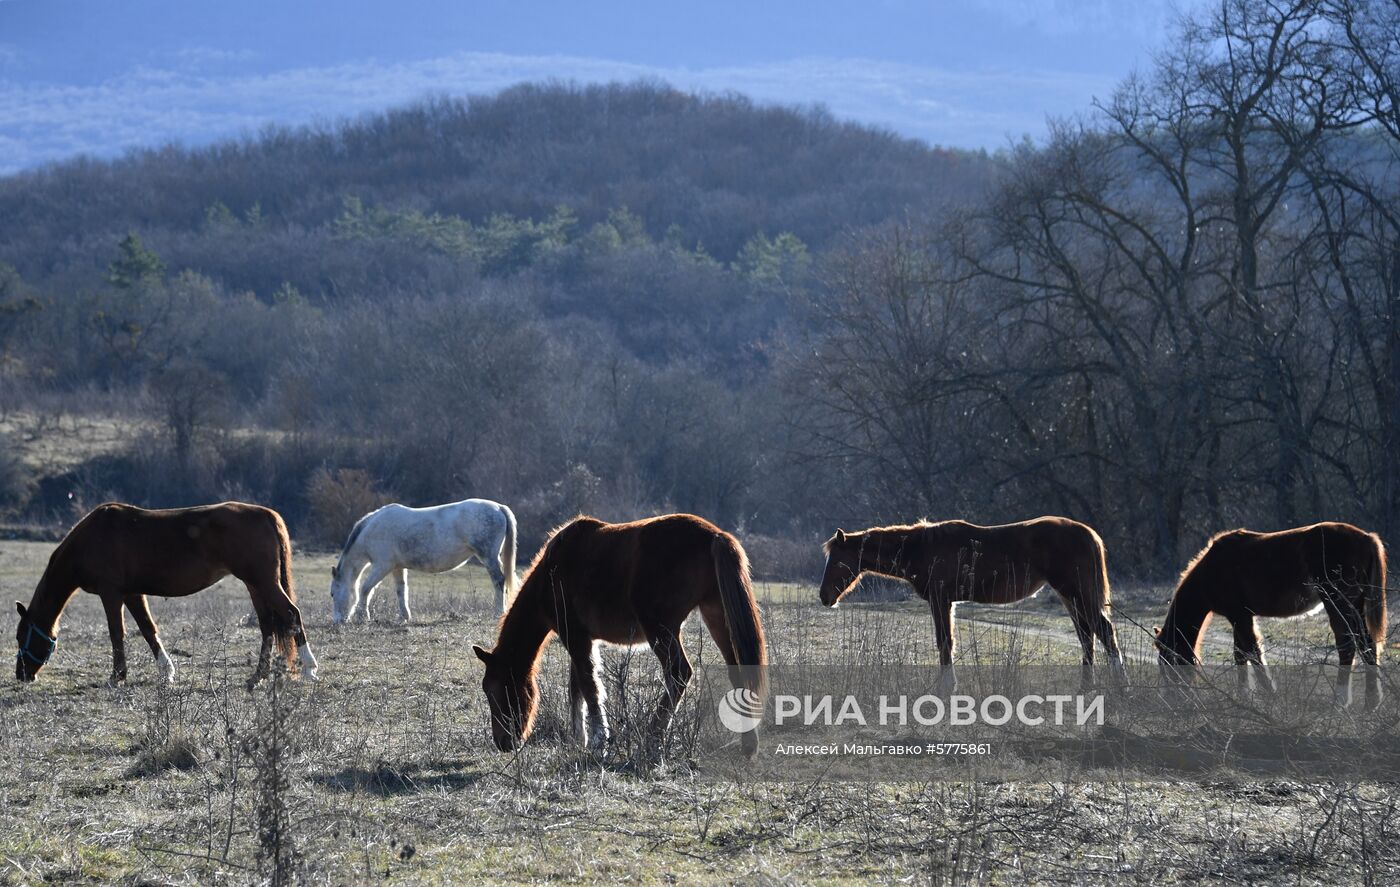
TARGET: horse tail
(1375,595)
(1101,594)
(283,630)
(741,614)
(507,561)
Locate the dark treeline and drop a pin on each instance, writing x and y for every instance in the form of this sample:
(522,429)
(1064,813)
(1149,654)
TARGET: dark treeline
(1177,315)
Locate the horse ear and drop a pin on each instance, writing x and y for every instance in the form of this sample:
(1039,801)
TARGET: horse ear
(840,535)
(22,611)
(481,653)
(1156,631)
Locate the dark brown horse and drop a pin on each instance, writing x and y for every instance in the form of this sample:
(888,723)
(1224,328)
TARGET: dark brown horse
(1242,575)
(954,561)
(623,584)
(122,553)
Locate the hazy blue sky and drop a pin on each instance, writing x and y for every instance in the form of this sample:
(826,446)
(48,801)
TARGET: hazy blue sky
(101,75)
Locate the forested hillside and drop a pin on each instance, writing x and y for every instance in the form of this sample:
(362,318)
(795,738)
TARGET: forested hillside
(704,172)
(564,297)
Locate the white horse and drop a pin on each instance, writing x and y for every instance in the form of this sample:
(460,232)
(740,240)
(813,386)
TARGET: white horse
(395,539)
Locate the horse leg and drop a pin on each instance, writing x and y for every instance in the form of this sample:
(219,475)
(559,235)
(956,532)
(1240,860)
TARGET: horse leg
(583,656)
(263,615)
(264,659)
(498,581)
(278,615)
(1352,608)
(1109,638)
(713,614)
(401,587)
(1249,655)
(675,673)
(1370,660)
(1244,680)
(141,612)
(943,633)
(1348,627)
(359,611)
(1085,630)
(116,627)
(577,707)
(291,616)
(260,671)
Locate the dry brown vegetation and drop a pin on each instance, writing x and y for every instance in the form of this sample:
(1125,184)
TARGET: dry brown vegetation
(384,771)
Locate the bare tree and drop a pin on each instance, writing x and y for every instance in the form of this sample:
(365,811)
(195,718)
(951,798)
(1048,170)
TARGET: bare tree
(896,344)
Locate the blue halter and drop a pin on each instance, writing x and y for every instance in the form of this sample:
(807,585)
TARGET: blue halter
(26,653)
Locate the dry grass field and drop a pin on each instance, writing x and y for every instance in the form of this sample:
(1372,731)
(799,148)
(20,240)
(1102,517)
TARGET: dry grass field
(383,771)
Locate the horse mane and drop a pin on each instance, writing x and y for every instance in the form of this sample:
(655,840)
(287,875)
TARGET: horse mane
(541,553)
(526,588)
(553,536)
(354,534)
(1210,543)
(923,524)
(59,556)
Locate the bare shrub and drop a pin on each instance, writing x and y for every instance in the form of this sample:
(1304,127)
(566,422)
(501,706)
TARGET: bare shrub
(272,750)
(16,479)
(775,559)
(337,498)
(168,740)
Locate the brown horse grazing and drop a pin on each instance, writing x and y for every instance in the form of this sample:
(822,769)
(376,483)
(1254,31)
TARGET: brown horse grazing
(1241,575)
(623,584)
(122,553)
(954,561)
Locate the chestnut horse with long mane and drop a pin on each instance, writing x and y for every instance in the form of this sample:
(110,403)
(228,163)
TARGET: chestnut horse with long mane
(122,554)
(1242,575)
(623,584)
(952,561)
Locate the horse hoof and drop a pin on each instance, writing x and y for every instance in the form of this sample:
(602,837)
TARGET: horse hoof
(166,667)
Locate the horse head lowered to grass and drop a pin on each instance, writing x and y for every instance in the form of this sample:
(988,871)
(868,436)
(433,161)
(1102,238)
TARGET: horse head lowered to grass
(624,584)
(123,554)
(1242,575)
(394,539)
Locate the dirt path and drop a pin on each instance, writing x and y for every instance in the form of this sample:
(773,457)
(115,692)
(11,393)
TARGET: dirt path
(1135,641)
